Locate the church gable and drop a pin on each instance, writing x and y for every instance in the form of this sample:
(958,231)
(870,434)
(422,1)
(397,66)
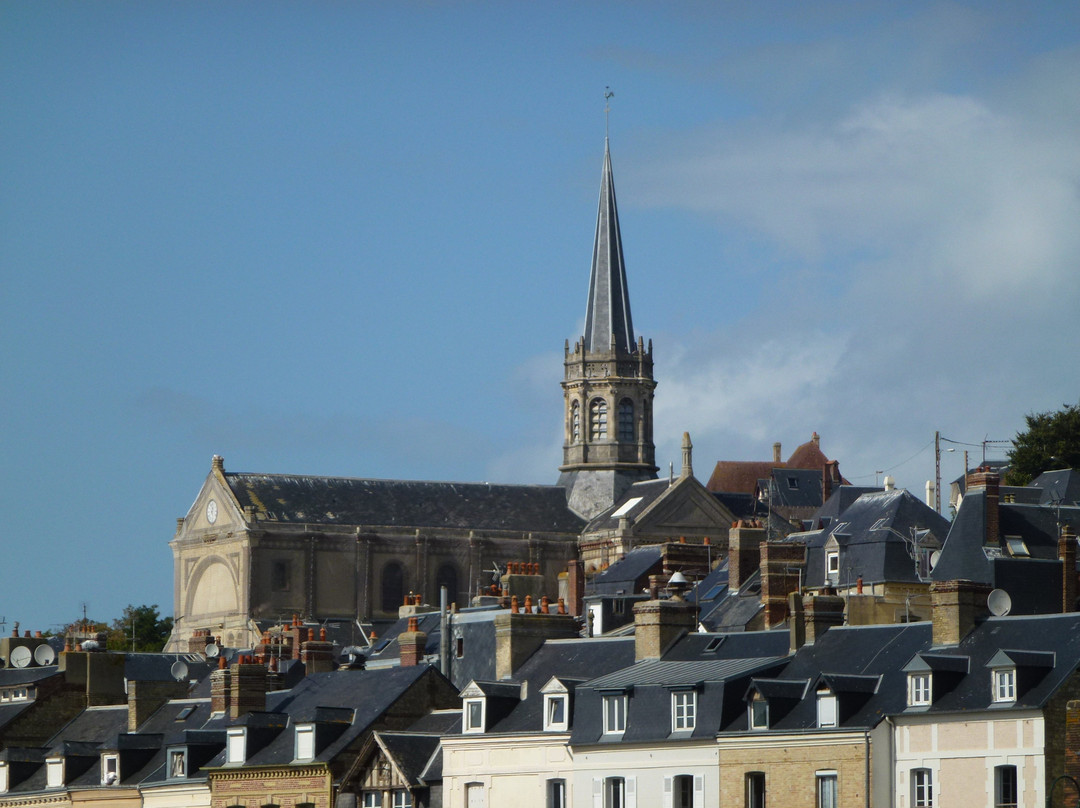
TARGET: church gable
(215,508)
(685,508)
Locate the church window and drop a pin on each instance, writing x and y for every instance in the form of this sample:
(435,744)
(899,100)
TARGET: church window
(575,422)
(626,420)
(598,418)
(446,576)
(393,587)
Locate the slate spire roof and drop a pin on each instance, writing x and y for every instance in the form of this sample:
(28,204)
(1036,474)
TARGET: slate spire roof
(608,311)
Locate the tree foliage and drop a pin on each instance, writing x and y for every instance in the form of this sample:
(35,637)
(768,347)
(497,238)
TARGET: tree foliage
(140,628)
(1051,441)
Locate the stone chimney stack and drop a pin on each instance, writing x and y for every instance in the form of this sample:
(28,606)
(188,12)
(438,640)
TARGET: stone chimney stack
(411,643)
(776,453)
(659,623)
(518,635)
(781,562)
(822,613)
(247,691)
(830,479)
(744,551)
(687,457)
(957,607)
(986,478)
(220,688)
(317,655)
(1067,554)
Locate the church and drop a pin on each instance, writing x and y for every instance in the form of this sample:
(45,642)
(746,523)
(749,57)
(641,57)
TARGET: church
(255,549)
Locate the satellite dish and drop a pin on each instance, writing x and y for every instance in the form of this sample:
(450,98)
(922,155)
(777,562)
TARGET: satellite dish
(212,651)
(44,655)
(179,670)
(89,645)
(934,558)
(999,602)
(21,656)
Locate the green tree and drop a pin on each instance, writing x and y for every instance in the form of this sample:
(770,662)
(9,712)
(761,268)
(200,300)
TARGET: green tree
(1051,441)
(145,625)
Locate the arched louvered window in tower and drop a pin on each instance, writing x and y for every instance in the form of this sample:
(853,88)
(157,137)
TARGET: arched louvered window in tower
(598,419)
(575,422)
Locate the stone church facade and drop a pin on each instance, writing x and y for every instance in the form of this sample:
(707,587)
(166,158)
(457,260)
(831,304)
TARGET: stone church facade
(255,549)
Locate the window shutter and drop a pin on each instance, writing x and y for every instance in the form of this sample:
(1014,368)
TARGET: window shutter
(668,801)
(699,791)
(631,792)
(597,793)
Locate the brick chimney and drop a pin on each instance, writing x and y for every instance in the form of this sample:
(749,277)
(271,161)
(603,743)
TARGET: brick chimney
(220,689)
(575,587)
(822,612)
(986,478)
(247,690)
(411,643)
(830,479)
(1067,554)
(317,655)
(957,607)
(518,635)
(659,623)
(780,565)
(744,551)
(144,698)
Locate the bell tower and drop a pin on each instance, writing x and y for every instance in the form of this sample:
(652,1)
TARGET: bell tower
(608,380)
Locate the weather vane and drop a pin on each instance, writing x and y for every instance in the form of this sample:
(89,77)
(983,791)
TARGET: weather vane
(608,95)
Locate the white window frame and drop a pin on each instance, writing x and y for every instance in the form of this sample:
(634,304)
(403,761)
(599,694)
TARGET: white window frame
(920,689)
(556,793)
(469,725)
(826,789)
(54,773)
(171,756)
(922,788)
(832,565)
(110,765)
(1004,683)
(235,746)
(551,701)
(683,710)
(305,742)
(751,782)
(615,792)
(999,782)
(753,716)
(371,799)
(401,798)
(614,708)
(828,714)
(4,781)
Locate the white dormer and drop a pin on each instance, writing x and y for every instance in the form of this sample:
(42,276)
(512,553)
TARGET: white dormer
(305,742)
(236,745)
(556,706)
(110,768)
(54,772)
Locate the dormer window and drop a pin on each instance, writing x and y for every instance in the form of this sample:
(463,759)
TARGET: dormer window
(826,709)
(614,714)
(832,565)
(110,769)
(918,689)
(474,715)
(683,710)
(759,712)
(177,763)
(54,773)
(235,746)
(4,781)
(555,711)
(305,741)
(793,483)
(1004,684)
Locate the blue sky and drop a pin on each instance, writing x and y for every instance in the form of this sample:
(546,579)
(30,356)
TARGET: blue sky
(351,239)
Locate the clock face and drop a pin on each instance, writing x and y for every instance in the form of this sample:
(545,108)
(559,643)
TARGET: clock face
(211,511)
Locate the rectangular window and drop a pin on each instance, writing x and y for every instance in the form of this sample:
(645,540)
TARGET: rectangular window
(474,715)
(110,769)
(402,799)
(177,763)
(372,799)
(3,777)
(615,793)
(475,796)
(683,710)
(234,746)
(918,689)
(281,576)
(755,790)
(614,714)
(54,773)
(826,790)
(556,794)
(922,788)
(555,713)
(832,564)
(1006,791)
(1005,685)
(826,709)
(759,713)
(305,742)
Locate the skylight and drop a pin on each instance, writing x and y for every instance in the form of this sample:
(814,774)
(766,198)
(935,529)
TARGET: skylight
(626,507)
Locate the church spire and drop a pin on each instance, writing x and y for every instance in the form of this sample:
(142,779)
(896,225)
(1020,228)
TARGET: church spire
(607,319)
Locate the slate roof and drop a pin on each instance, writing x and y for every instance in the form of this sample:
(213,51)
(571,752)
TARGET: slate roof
(646,492)
(840,500)
(350,501)
(411,751)
(795,488)
(1060,485)
(623,577)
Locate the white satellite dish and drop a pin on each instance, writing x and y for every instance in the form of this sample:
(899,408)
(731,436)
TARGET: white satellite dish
(179,670)
(212,651)
(21,656)
(999,602)
(934,558)
(44,655)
